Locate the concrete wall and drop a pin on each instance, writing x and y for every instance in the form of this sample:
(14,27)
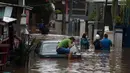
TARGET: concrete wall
(58,27)
(118,39)
(82,27)
(90,31)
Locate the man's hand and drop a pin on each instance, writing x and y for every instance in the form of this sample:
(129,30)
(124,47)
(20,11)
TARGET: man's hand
(71,45)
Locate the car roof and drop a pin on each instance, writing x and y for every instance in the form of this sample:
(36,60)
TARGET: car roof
(51,36)
(50,41)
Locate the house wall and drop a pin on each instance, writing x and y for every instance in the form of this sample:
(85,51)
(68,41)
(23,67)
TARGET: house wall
(58,27)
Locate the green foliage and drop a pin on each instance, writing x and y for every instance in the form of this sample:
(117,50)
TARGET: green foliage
(44,11)
(22,52)
(118,20)
(124,4)
(92,16)
(113,8)
(41,8)
(58,11)
(127,3)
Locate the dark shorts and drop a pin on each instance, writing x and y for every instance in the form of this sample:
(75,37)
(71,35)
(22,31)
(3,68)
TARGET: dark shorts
(63,50)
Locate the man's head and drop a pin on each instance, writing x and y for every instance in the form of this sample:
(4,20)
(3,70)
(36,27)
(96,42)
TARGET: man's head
(84,35)
(72,39)
(105,36)
(97,37)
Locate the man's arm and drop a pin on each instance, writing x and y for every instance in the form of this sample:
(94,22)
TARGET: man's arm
(70,44)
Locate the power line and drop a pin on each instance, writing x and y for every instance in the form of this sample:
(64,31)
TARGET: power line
(39,5)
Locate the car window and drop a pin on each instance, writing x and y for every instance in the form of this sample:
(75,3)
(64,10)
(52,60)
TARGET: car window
(48,47)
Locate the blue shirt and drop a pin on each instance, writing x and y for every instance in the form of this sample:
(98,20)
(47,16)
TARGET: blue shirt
(106,44)
(41,25)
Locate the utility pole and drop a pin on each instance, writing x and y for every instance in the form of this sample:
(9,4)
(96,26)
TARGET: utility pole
(105,11)
(24,31)
(64,17)
(23,21)
(69,19)
(115,14)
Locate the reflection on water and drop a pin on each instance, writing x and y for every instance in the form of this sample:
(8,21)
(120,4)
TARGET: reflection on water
(126,61)
(92,62)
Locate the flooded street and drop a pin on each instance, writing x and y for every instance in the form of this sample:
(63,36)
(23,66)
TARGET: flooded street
(115,62)
(91,62)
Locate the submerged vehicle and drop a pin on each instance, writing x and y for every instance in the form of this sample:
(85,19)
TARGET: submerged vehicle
(47,49)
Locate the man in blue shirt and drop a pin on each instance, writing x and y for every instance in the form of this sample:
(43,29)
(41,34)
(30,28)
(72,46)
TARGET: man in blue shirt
(41,26)
(106,43)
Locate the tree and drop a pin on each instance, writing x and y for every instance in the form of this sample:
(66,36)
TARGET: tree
(41,7)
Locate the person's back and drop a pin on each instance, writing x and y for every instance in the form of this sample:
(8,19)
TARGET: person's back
(97,44)
(64,43)
(84,42)
(106,43)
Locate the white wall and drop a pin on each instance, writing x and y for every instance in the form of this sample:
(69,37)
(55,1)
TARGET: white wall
(118,39)
(90,31)
(82,27)
(58,27)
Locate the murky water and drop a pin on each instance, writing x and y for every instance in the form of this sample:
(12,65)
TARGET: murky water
(92,62)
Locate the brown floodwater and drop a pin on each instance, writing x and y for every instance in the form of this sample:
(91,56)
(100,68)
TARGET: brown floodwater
(92,62)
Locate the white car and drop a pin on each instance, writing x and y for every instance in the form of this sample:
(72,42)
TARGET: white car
(48,49)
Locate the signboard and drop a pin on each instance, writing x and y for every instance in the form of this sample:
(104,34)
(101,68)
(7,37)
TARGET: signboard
(8,11)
